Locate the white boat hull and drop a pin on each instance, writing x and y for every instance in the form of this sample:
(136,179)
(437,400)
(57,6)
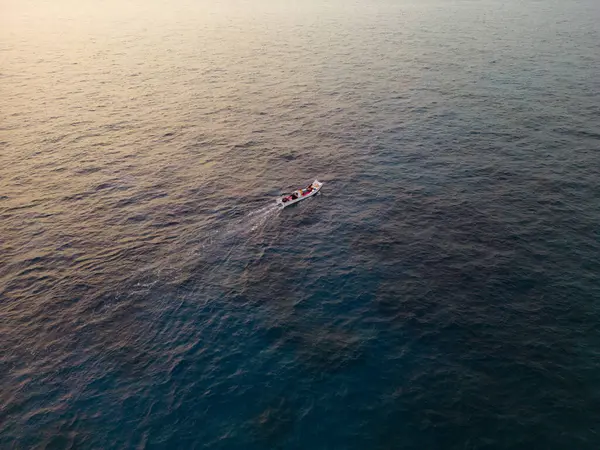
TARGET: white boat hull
(301,194)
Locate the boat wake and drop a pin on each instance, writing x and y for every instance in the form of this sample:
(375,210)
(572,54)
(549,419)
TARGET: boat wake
(251,223)
(193,267)
(216,246)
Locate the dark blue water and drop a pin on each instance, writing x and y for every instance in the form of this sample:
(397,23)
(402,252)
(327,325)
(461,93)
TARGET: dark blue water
(441,292)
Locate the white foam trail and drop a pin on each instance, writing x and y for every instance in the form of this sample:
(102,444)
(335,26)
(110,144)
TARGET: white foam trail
(217,243)
(214,252)
(252,221)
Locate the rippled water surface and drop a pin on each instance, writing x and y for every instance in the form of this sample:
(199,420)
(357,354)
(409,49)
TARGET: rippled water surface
(441,292)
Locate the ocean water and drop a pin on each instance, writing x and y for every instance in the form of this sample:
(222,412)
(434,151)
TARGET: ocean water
(441,292)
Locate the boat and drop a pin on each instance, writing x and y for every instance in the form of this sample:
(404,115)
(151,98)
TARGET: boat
(300,194)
